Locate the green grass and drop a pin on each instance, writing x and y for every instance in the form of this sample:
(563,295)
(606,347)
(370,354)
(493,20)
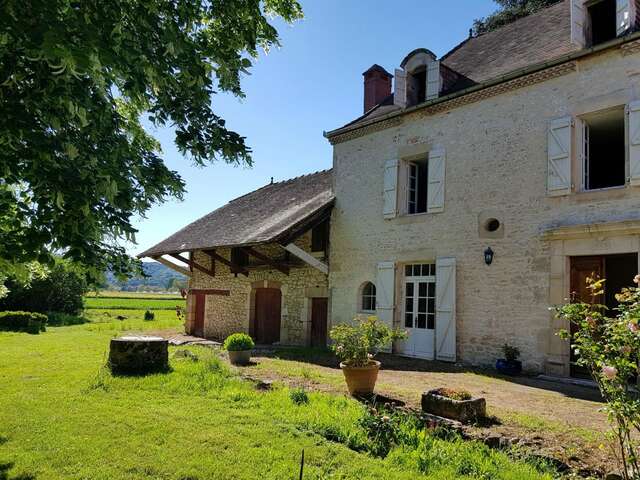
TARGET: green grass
(133,303)
(62,415)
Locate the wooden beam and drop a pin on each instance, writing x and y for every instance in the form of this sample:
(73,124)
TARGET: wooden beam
(260,256)
(192,264)
(234,268)
(307,258)
(172,266)
(210,291)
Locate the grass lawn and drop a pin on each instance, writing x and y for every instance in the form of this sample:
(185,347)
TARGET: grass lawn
(62,415)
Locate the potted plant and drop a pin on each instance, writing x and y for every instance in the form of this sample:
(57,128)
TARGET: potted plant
(239,346)
(509,365)
(355,345)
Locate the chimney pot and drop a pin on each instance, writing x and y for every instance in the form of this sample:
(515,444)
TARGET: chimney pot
(377,86)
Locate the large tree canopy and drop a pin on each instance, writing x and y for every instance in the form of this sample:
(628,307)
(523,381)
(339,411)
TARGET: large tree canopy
(509,11)
(78,78)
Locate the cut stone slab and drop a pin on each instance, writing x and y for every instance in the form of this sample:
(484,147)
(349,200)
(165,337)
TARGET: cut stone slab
(134,355)
(465,411)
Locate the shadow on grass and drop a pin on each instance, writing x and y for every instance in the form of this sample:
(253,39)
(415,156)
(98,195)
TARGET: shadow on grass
(4,473)
(141,372)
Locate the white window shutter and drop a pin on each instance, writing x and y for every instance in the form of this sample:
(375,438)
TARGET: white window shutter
(446,309)
(634,142)
(435,189)
(578,17)
(385,294)
(400,88)
(623,16)
(433,80)
(390,189)
(559,154)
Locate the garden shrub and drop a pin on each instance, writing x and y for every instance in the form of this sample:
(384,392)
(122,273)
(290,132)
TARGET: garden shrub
(30,322)
(238,342)
(149,315)
(59,291)
(299,396)
(60,319)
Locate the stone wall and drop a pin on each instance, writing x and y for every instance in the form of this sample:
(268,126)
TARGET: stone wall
(225,315)
(496,166)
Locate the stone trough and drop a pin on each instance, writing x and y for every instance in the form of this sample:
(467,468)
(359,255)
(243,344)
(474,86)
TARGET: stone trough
(464,411)
(136,355)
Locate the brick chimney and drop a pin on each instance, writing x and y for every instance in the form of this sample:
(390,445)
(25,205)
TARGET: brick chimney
(377,86)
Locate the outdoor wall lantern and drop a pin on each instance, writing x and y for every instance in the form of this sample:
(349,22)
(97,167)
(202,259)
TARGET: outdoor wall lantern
(488,256)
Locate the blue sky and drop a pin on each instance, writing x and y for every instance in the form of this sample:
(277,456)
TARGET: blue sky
(313,83)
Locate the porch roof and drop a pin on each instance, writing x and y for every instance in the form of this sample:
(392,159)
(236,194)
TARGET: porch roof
(270,214)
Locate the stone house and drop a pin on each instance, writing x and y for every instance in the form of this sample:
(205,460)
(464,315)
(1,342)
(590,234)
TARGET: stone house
(476,191)
(491,182)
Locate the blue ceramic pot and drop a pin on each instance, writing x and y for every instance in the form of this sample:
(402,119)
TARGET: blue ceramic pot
(509,367)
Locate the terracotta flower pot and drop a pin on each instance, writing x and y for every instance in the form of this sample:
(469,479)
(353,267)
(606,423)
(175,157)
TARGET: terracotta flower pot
(240,357)
(361,380)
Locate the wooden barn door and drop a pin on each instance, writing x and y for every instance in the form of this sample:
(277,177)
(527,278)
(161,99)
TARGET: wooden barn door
(267,315)
(581,268)
(319,322)
(198,321)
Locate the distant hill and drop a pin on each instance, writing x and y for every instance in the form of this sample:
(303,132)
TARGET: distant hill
(160,278)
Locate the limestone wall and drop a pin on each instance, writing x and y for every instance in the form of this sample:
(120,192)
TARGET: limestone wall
(229,314)
(496,166)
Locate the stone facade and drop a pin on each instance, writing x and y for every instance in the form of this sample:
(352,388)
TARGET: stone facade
(225,315)
(496,167)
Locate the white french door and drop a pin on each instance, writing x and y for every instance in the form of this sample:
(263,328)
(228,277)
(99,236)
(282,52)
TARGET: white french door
(419,314)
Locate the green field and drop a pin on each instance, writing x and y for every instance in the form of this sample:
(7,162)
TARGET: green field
(134,303)
(112,294)
(63,415)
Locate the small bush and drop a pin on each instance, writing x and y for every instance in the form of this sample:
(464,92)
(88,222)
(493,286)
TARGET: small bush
(238,342)
(299,396)
(453,394)
(149,315)
(510,352)
(59,319)
(29,322)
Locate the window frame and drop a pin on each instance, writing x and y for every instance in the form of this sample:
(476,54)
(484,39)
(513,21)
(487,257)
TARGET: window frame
(363,295)
(580,171)
(404,184)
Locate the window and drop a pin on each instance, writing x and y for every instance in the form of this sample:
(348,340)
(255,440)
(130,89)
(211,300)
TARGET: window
(420,296)
(368,297)
(417,181)
(239,257)
(604,149)
(602,21)
(417,86)
(320,237)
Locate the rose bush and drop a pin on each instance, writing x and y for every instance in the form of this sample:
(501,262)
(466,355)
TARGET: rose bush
(607,344)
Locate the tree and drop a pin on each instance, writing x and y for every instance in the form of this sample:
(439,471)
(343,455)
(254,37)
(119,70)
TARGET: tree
(509,11)
(78,80)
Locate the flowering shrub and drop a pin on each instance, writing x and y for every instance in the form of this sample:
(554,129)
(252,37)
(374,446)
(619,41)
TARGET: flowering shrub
(454,394)
(608,346)
(356,344)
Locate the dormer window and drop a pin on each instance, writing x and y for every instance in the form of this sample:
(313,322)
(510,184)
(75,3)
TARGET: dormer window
(417,86)
(601,21)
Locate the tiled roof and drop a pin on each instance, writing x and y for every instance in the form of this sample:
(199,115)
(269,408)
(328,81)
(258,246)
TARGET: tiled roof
(264,215)
(537,38)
